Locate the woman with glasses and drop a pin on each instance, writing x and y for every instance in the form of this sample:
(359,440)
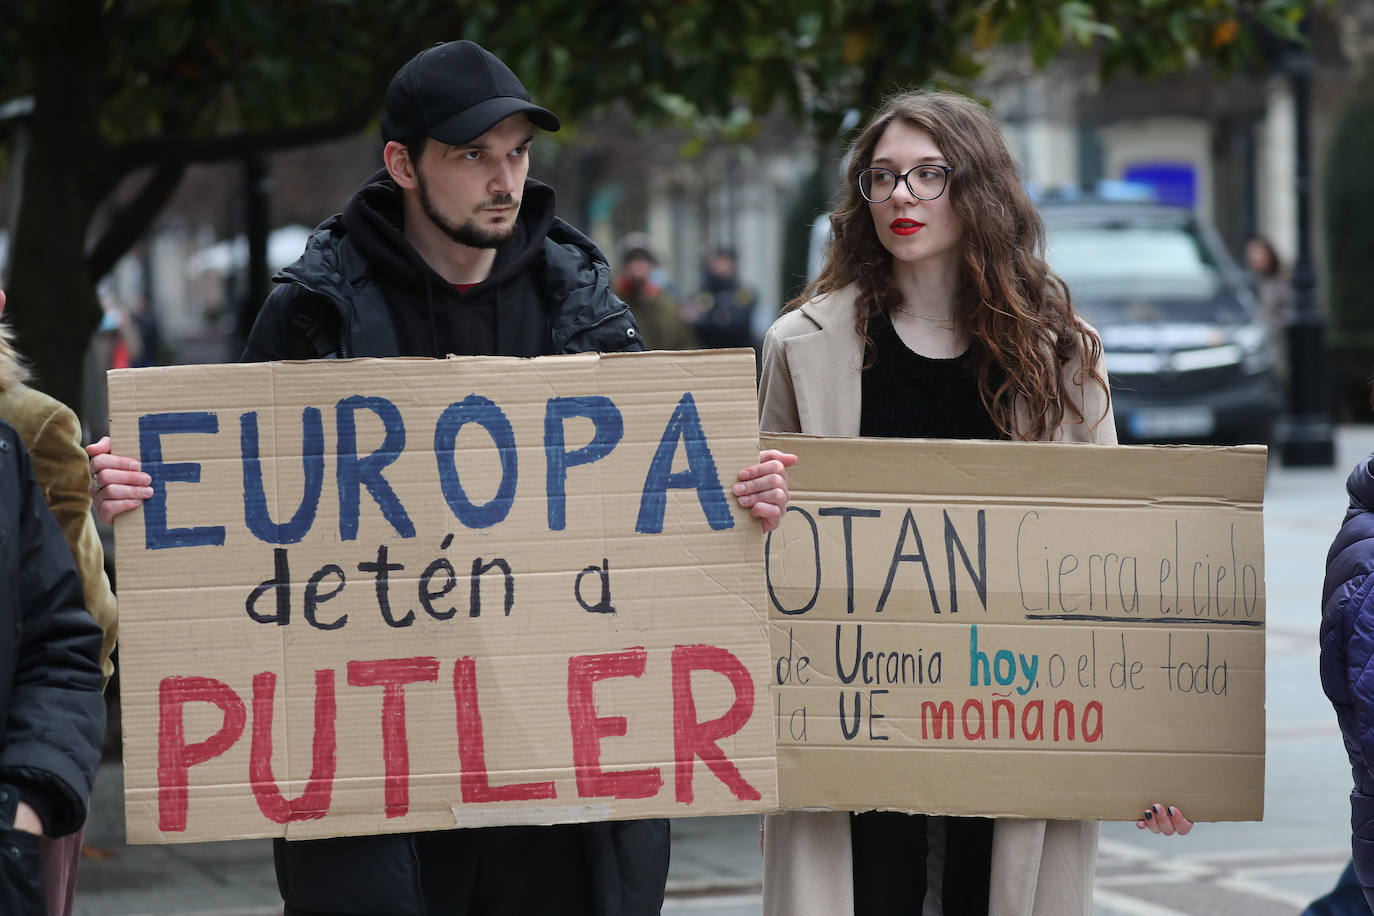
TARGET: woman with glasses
(934,316)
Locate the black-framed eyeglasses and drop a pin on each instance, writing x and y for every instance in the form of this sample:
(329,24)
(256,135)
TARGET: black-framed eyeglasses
(925,182)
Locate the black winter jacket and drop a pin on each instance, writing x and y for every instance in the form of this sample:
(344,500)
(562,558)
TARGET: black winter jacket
(332,302)
(50,680)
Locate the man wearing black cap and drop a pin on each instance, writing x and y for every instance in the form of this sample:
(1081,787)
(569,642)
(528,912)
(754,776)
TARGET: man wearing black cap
(451,248)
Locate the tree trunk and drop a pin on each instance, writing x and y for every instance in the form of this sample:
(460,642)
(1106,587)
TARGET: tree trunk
(52,301)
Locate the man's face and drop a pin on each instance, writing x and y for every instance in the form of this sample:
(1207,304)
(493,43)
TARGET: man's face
(471,192)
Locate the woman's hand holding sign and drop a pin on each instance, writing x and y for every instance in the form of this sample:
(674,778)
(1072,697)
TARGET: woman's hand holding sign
(118,484)
(1165,819)
(763,487)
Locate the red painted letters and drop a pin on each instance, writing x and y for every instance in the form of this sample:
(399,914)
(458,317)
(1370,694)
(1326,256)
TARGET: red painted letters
(174,756)
(472,753)
(313,802)
(392,674)
(692,739)
(588,728)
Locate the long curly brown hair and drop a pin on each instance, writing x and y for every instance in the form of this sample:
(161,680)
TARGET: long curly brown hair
(1014,308)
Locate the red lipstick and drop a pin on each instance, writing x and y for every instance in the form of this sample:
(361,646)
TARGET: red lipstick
(906,226)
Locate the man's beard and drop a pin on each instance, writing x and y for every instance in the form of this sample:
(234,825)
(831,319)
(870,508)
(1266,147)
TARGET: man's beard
(467,232)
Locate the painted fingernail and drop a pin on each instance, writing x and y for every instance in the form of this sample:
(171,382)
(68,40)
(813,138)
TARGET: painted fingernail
(1149,815)
(1172,811)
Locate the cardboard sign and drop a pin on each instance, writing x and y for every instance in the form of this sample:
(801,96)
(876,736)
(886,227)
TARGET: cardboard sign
(391,595)
(1019,629)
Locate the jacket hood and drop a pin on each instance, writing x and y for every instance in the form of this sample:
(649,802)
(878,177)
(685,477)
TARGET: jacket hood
(1360,486)
(547,258)
(1352,552)
(374,220)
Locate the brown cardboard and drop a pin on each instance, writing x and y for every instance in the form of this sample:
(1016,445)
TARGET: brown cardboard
(1177,532)
(676,641)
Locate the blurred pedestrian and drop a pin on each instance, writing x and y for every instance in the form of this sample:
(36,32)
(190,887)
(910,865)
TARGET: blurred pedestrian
(642,285)
(52,435)
(1273,290)
(144,325)
(722,314)
(50,680)
(1347,672)
(451,248)
(115,344)
(935,316)
(118,335)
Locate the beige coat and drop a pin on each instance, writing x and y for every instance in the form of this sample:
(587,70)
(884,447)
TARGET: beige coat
(812,361)
(52,435)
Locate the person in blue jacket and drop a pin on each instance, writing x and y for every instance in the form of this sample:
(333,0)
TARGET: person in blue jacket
(1347,672)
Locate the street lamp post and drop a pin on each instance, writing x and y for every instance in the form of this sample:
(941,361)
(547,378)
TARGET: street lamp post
(1305,438)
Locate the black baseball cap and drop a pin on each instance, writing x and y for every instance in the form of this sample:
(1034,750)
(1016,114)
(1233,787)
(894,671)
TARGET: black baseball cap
(454,92)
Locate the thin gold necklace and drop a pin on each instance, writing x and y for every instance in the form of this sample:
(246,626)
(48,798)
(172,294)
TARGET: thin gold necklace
(931,318)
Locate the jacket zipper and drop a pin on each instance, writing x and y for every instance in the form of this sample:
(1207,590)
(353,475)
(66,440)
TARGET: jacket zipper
(419,885)
(593,326)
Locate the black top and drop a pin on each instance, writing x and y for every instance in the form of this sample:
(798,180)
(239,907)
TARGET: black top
(431,318)
(906,395)
(360,289)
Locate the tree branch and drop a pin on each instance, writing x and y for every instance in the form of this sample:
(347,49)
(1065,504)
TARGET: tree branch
(166,149)
(133,218)
(355,113)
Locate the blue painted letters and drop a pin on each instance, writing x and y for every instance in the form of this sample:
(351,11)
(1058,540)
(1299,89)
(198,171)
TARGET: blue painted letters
(609,428)
(354,471)
(482,411)
(151,429)
(685,425)
(255,511)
